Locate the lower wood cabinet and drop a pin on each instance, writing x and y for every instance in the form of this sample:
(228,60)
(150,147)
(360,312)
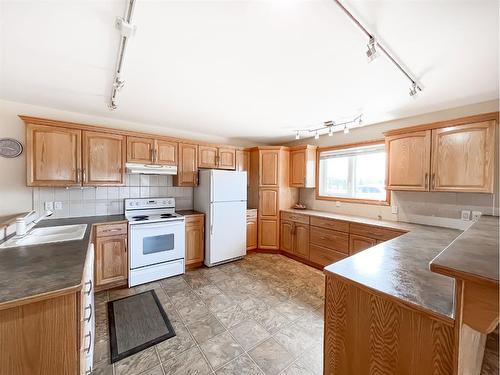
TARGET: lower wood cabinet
(359,243)
(324,256)
(295,238)
(251,229)
(268,233)
(195,240)
(111,257)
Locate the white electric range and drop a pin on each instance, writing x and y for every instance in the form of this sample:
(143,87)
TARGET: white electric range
(156,239)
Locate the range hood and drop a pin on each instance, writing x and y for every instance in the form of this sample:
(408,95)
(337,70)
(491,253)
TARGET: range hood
(134,168)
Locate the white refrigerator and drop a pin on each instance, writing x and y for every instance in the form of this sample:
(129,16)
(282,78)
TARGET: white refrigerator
(222,197)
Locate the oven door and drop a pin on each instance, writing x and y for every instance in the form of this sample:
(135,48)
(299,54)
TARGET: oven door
(153,243)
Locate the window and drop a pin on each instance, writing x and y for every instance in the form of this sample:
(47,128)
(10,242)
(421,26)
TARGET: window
(354,173)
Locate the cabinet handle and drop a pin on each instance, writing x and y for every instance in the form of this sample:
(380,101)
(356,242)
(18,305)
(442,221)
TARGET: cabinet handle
(89,308)
(433,180)
(89,335)
(78,171)
(426,182)
(84,175)
(111,230)
(152,156)
(89,371)
(156,155)
(89,283)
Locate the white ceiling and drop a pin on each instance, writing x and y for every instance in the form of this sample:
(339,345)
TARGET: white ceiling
(249,69)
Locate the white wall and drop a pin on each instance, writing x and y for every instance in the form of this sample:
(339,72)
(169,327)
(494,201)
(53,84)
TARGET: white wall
(15,197)
(413,206)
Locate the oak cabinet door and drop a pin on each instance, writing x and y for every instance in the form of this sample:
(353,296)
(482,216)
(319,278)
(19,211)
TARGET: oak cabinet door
(359,243)
(243,163)
(463,158)
(195,251)
(207,157)
(301,240)
(140,150)
(111,260)
(286,236)
(103,159)
(165,152)
(268,234)
(408,161)
(268,205)
(269,168)
(298,168)
(226,158)
(187,170)
(251,234)
(53,156)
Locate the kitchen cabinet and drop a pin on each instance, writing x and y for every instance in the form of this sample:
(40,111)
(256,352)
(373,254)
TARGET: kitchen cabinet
(303,166)
(359,243)
(323,256)
(268,205)
(453,156)
(103,158)
(243,163)
(286,236)
(408,161)
(268,230)
(463,158)
(53,156)
(195,240)
(151,151)
(301,240)
(269,168)
(251,229)
(111,260)
(338,241)
(216,157)
(295,234)
(187,169)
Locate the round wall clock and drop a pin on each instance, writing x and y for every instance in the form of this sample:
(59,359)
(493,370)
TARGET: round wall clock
(10,148)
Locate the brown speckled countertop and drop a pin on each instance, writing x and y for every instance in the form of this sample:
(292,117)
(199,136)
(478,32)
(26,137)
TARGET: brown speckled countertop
(27,272)
(400,267)
(473,255)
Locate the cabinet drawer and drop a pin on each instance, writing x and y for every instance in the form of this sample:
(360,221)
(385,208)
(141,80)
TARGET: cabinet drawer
(333,224)
(330,239)
(193,220)
(324,256)
(374,232)
(111,229)
(298,218)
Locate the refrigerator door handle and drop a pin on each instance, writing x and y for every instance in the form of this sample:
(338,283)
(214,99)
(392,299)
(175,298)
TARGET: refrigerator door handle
(212,219)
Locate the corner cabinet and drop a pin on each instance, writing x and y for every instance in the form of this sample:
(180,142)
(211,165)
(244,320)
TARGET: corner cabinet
(53,156)
(187,169)
(303,166)
(195,240)
(454,156)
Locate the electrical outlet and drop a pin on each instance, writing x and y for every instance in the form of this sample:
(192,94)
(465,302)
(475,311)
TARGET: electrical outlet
(58,205)
(394,209)
(465,215)
(49,206)
(337,203)
(476,215)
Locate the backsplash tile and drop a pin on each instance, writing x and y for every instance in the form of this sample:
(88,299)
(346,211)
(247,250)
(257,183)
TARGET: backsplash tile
(90,201)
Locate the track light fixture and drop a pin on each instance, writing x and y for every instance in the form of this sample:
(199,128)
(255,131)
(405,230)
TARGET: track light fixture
(316,136)
(331,127)
(374,46)
(371,52)
(330,131)
(297,135)
(346,129)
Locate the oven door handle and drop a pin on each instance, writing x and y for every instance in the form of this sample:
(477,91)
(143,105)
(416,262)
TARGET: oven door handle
(162,224)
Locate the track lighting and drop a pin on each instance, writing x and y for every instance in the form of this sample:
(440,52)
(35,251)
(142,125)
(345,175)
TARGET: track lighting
(346,129)
(297,135)
(413,90)
(371,52)
(330,127)
(330,131)
(316,136)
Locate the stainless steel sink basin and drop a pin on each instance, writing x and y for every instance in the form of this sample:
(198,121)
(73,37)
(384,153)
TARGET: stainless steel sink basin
(47,235)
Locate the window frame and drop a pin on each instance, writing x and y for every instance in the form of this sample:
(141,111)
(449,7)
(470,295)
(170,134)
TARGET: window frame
(385,202)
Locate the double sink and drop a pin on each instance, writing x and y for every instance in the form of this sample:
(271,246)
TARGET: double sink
(40,236)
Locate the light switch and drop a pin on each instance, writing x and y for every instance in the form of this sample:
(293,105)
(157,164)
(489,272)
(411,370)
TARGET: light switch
(465,215)
(394,209)
(58,205)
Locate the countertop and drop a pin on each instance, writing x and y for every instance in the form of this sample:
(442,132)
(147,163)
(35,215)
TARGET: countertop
(473,255)
(400,267)
(189,212)
(28,272)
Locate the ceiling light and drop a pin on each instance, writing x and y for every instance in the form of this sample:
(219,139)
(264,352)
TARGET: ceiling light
(371,52)
(346,129)
(316,136)
(297,135)
(330,131)
(413,90)
(360,121)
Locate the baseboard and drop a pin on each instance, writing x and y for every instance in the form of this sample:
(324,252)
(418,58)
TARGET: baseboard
(194,265)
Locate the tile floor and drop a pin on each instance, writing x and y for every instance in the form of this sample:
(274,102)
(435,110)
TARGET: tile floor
(260,315)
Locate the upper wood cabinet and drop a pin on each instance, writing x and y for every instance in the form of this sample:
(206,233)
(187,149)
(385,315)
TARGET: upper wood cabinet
(216,157)
(269,204)
(187,169)
(151,151)
(303,166)
(463,158)
(269,168)
(408,161)
(103,159)
(243,163)
(455,156)
(53,156)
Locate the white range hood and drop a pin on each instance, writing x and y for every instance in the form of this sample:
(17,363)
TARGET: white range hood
(134,168)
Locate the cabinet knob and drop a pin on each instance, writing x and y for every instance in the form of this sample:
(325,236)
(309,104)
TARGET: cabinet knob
(89,283)
(88,308)
(89,335)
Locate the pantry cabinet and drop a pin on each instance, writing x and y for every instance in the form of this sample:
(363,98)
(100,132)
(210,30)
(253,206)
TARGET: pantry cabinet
(303,166)
(187,169)
(195,234)
(216,157)
(103,156)
(111,256)
(53,156)
(453,156)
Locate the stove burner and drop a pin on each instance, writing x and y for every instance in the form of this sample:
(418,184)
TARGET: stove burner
(165,216)
(140,217)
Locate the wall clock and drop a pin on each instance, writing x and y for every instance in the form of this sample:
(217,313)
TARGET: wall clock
(10,148)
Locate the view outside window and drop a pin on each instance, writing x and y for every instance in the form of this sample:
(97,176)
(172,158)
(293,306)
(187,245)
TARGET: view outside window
(357,173)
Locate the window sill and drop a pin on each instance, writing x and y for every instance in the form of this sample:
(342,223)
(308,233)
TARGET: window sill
(354,200)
